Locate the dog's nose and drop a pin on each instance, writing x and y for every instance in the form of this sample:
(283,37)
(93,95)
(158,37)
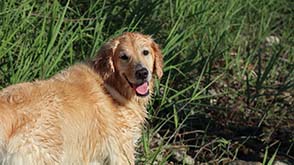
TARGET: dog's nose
(141,73)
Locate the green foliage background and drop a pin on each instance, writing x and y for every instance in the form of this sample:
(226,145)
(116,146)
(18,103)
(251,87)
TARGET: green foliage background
(227,91)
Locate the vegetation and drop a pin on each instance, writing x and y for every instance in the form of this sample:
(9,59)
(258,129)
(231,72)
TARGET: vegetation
(228,86)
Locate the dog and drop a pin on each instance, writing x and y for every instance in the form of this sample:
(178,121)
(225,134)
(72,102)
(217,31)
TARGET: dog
(90,113)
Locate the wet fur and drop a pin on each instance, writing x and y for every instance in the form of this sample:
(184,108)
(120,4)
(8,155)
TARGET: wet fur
(85,114)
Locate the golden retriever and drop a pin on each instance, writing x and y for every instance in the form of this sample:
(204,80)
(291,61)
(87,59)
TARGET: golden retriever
(90,113)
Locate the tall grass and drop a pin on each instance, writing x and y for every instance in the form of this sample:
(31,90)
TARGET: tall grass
(223,75)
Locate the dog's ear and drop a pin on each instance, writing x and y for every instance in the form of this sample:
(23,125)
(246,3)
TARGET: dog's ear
(103,64)
(158,62)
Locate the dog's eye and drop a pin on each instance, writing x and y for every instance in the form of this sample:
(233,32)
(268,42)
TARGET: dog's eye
(123,56)
(145,52)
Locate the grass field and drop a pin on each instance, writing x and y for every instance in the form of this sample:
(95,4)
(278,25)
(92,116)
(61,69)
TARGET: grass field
(228,86)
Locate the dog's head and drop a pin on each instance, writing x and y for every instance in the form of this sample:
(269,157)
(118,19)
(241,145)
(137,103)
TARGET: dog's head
(132,58)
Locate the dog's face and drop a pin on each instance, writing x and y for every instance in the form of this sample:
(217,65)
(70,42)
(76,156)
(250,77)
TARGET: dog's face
(134,57)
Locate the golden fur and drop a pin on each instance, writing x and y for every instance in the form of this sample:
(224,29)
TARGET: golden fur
(88,113)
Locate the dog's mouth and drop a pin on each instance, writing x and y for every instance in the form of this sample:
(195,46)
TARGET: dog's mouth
(141,89)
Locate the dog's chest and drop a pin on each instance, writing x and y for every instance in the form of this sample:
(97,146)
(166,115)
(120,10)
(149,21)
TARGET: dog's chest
(133,120)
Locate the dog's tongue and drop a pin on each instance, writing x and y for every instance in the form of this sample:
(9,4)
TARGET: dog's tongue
(142,89)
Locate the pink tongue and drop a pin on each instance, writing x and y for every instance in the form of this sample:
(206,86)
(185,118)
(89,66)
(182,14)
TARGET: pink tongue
(142,89)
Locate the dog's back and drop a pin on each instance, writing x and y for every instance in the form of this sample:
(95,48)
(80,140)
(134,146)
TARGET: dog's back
(10,98)
(64,119)
(4,126)
(22,108)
